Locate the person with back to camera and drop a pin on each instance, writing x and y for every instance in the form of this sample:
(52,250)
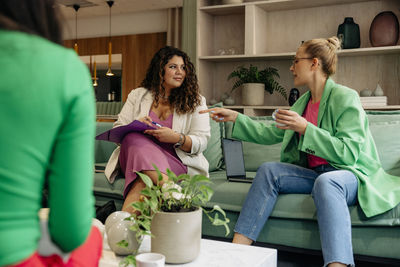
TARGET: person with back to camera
(327,150)
(47,113)
(169,100)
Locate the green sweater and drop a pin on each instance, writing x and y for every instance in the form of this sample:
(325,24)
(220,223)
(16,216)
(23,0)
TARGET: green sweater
(47,131)
(342,137)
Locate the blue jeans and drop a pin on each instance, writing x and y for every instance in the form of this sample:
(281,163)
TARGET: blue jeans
(332,190)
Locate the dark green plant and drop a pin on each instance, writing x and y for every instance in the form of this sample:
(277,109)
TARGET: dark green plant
(266,76)
(179,194)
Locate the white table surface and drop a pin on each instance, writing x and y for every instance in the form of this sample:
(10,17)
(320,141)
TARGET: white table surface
(212,254)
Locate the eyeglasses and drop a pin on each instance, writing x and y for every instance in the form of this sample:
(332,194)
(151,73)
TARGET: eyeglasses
(296,60)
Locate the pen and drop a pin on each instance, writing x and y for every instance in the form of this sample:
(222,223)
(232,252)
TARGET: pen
(156,124)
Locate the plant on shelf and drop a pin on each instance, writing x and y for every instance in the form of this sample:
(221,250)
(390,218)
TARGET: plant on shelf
(181,195)
(252,75)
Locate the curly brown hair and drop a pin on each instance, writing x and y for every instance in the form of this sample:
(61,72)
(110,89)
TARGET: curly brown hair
(184,98)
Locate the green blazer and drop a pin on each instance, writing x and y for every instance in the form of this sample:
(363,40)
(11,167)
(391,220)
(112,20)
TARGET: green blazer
(342,137)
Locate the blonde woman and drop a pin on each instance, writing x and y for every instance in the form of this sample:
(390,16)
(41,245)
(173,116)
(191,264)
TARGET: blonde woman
(327,151)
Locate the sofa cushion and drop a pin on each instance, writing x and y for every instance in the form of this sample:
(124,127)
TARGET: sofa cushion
(231,195)
(213,152)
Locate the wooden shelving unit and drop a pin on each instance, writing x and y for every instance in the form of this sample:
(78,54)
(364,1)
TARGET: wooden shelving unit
(268,33)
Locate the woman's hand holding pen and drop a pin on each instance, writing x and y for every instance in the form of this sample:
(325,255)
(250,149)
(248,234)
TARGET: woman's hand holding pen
(147,120)
(162,134)
(221,114)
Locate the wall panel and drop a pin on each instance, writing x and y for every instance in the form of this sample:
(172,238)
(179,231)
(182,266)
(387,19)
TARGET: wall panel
(137,51)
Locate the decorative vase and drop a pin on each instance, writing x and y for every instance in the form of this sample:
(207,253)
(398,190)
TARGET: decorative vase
(384,29)
(229,101)
(378,91)
(253,94)
(118,232)
(293,96)
(224,96)
(177,235)
(115,217)
(365,92)
(349,33)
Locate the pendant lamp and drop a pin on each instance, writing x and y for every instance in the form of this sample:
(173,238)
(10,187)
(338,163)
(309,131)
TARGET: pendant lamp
(76,7)
(109,72)
(94,78)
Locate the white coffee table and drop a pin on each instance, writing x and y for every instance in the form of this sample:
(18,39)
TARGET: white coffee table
(212,254)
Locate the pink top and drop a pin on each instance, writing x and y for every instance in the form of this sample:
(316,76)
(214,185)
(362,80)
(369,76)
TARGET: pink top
(311,115)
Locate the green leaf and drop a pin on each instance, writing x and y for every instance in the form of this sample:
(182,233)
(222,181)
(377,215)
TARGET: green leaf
(128,261)
(172,176)
(123,243)
(253,75)
(146,179)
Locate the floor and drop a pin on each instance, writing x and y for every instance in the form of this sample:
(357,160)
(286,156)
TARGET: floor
(290,259)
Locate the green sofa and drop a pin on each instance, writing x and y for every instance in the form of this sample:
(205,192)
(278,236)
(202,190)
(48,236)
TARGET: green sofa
(292,225)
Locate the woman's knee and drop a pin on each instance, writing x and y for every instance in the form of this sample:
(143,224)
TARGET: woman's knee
(268,171)
(326,185)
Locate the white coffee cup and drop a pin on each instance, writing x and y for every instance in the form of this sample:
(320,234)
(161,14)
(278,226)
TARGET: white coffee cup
(150,260)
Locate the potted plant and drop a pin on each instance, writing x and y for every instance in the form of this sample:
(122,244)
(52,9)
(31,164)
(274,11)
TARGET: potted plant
(171,214)
(254,82)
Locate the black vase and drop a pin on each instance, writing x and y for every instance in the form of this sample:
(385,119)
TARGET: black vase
(349,33)
(293,96)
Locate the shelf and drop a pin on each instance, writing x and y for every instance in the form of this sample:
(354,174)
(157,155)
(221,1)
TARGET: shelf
(367,51)
(268,56)
(389,107)
(256,110)
(272,5)
(275,5)
(224,9)
(106,117)
(267,110)
(268,33)
(258,107)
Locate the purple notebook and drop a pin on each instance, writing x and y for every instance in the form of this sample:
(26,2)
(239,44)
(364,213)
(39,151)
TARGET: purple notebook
(117,134)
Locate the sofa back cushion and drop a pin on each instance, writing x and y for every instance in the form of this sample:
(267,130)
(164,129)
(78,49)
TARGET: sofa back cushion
(103,149)
(213,152)
(385,129)
(108,108)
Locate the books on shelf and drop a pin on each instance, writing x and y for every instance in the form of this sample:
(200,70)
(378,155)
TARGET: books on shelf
(373,101)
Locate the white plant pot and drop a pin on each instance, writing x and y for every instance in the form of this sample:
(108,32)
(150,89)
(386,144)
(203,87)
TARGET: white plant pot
(177,235)
(253,94)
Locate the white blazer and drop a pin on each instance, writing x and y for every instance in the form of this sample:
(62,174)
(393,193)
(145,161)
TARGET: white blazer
(195,125)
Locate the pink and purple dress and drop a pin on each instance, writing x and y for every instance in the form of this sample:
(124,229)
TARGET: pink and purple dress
(140,151)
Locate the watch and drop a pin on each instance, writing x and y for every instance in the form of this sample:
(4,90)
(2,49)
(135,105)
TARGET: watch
(181,142)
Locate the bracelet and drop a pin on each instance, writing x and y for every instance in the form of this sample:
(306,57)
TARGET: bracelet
(184,139)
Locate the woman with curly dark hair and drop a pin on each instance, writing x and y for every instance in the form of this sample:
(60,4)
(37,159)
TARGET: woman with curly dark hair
(169,100)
